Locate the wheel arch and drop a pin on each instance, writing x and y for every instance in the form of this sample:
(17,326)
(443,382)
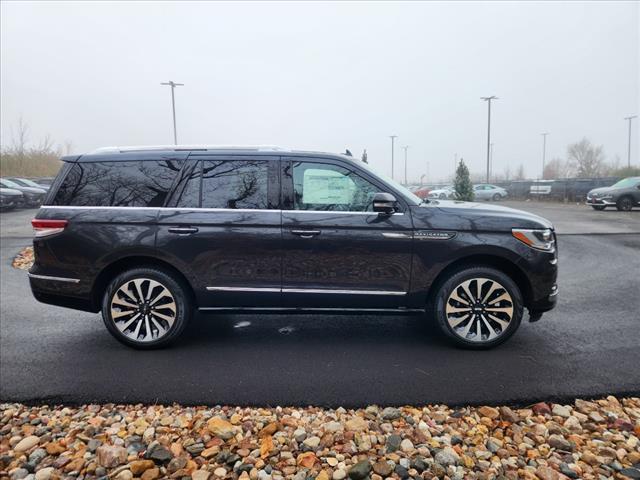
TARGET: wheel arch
(488,260)
(110,271)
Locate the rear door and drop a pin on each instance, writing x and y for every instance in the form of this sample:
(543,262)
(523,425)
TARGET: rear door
(223,227)
(338,252)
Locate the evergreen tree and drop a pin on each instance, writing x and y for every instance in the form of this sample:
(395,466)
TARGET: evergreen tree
(462,184)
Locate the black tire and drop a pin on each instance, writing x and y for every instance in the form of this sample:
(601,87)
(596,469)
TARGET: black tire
(598,207)
(454,281)
(624,204)
(497,197)
(181,314)
(443,196)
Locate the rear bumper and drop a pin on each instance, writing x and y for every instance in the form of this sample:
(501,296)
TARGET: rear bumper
(61,291)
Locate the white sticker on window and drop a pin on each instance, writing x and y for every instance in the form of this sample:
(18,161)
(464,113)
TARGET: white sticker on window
(326,187)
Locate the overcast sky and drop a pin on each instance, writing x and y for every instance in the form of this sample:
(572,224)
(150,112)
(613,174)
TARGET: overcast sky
(328,76)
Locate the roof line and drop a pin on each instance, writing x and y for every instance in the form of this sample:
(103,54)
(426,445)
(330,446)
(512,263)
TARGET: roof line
(146,148)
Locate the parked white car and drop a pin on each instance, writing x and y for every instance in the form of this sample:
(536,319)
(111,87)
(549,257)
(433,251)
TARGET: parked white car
(443,193)
(485,191)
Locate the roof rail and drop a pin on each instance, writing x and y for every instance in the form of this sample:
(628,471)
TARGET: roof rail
(146,148)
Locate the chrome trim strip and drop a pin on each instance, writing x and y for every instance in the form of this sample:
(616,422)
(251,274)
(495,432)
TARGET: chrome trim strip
(395,235)
(196,209)
(304,290)
(346,292)
(243,289)
(311,309)
(168,209)
(339,212)
(54,279)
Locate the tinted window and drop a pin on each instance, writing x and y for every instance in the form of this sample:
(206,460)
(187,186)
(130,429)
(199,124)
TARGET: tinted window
(318,186)
(234,184)
(190,196)
(118,184)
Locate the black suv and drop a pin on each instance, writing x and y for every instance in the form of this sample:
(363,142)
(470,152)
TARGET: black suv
(147,234)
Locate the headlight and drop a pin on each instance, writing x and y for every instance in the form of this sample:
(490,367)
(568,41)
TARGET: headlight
(606,197)
(539,239)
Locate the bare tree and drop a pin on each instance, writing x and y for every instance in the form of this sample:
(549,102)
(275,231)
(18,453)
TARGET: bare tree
(558,168)
(46,144)
(519,173)
(586,157)
(68,147)
(20,138)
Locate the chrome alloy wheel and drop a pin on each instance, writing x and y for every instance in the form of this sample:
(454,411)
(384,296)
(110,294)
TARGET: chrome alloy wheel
(143,309)
(479,310)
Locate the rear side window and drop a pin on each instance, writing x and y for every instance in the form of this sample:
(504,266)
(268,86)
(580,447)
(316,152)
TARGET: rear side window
(118,184)
(231,184)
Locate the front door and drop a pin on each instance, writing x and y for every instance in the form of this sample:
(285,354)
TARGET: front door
(223,228)
(338,252)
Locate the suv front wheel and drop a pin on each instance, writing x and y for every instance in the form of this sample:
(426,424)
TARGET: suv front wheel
(145,308)
(478,307)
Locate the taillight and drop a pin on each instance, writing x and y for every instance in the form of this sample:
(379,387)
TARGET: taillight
(44,228)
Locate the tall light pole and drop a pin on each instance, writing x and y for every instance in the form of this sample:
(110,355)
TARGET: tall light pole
(488,100)
(544,150)
(629,118)
(393,151)
(406,147)
(491,160)
(173,106)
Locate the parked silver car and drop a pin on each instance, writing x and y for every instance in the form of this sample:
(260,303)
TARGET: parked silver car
(443,193)
(10,198)
(33,197)
(485,191)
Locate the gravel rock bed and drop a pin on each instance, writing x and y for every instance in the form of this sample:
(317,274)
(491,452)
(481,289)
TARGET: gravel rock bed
(589,439)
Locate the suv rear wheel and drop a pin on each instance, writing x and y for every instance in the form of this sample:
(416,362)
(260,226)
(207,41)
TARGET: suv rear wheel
(478,307)
(624,204)
(145,308)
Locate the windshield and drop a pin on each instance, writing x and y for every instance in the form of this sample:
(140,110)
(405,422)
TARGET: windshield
(9,183)
(408,194)
(626,182)
(26,182)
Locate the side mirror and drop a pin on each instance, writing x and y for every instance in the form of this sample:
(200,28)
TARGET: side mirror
(384,203)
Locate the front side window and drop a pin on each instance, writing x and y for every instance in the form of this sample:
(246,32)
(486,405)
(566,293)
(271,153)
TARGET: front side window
(142,183)
(325,187)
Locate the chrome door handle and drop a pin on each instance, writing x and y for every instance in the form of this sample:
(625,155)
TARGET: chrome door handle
(183,230)
(305,233)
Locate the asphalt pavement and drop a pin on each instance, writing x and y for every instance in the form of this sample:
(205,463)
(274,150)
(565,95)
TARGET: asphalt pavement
(588,346)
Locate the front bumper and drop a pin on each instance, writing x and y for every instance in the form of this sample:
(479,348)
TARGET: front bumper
(600,201)
(545,304)
(9,203)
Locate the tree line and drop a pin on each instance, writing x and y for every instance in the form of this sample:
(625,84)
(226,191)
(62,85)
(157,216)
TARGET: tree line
(22,157)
